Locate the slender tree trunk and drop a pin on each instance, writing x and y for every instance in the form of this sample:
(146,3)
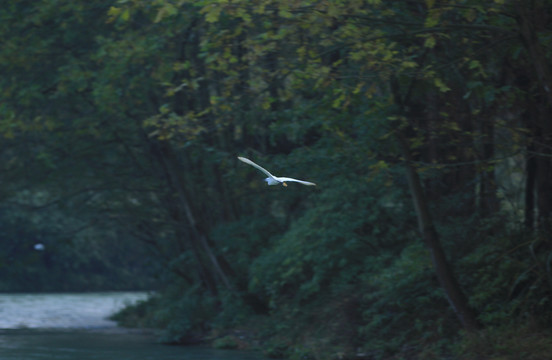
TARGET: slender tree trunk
(453,292)
(488,201)
(531,19)
(197,235)
(445,275)
(530,169)
(544,199)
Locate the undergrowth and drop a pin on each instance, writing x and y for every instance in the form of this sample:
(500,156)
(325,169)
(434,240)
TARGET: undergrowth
(385,307)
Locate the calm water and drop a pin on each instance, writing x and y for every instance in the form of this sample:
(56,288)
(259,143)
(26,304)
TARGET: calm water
(74,326)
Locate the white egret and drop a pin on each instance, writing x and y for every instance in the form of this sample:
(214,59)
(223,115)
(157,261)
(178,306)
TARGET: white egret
(274,180)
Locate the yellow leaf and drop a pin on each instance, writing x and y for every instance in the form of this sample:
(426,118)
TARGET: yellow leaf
(114,11)
(453,126)
(260,9)
(380,165)
(285,13)
(441,85)
(409,64)
(429,42)
(167,10)
(338,101)
(301,52)
(212,14)
(126,15)
(266,105)
(432,19)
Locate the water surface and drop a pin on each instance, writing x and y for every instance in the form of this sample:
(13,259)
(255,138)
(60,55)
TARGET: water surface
(31,344)
(76,327)
(66,310)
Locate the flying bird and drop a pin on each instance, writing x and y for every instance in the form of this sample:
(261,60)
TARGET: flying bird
(274,180)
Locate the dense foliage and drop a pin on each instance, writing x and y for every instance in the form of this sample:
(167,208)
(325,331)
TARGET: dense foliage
(425,125)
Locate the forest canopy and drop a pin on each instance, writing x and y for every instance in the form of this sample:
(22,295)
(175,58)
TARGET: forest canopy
(425,125)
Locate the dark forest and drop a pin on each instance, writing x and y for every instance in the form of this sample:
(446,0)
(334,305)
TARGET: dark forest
(426,126)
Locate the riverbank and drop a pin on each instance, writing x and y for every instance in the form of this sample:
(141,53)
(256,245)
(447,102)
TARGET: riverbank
(275,338)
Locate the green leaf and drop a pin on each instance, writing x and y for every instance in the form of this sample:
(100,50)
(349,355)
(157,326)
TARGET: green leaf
(125,16)
(429,42)
(440,85)
(212,13)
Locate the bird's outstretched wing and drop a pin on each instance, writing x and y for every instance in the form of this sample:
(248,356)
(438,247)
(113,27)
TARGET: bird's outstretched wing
(276,179)
(247,161)
(284,179)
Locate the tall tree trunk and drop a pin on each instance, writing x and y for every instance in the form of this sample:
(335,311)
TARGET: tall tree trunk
(544,199)
(445,275)
(198,236)
(532,19)
(199,245)
(488,201)
(530,170)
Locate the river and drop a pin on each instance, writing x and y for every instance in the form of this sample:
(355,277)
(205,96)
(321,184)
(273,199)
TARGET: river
(75,327)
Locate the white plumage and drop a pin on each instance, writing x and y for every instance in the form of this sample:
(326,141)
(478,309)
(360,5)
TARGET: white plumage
(274,180)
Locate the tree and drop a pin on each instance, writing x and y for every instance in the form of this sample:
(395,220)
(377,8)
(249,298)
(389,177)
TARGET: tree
(135,121)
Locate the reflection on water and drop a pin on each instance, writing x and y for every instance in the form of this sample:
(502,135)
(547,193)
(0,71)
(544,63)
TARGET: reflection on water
(74,327)
(31,344)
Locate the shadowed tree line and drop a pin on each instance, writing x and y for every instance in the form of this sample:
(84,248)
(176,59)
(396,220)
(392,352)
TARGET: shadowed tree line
(425,124)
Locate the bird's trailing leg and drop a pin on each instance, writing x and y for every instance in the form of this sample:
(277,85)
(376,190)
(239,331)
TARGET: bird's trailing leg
(284,184)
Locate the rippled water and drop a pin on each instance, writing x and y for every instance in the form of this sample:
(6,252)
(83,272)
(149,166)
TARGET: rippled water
(87,310)
(75,327)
